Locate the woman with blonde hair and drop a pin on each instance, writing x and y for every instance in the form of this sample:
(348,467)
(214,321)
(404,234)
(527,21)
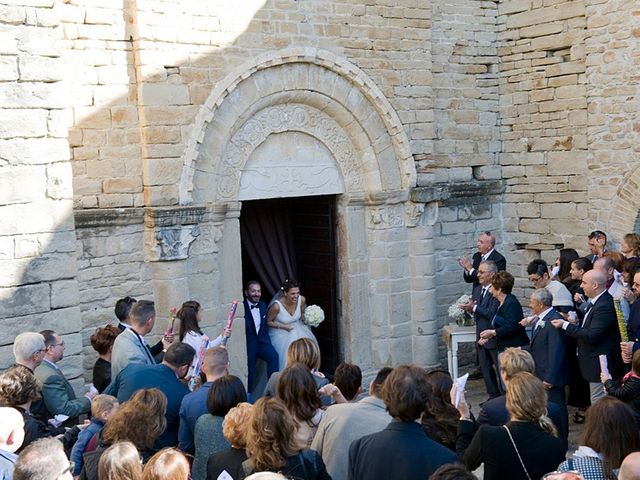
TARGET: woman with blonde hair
(525,448)
(234,428)
(167,464)
(271,444)
(121,461)
(630,245)
(306,352)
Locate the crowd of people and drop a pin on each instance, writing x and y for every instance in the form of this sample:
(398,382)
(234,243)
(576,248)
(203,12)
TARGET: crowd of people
(173,411)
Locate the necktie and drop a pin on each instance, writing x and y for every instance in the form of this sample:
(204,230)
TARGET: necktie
(255,306)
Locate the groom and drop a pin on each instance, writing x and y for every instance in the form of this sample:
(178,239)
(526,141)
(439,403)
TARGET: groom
(257,331)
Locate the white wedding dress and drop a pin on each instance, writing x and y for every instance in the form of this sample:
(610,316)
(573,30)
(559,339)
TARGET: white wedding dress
(281,338)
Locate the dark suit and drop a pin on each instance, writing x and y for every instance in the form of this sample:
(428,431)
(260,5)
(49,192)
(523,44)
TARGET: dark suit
(598,335)
(633,325)
(486,307)
(495,257)
(548,349)
(402,450)
(494,412)
(506,322)
(258,343)
(138,376)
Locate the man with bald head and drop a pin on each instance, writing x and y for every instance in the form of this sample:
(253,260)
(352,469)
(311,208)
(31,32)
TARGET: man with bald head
(598,333)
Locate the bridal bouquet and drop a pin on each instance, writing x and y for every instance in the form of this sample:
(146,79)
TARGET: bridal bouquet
(313,315)
(459,315)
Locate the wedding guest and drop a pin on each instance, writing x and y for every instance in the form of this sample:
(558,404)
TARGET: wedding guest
(565,259)
(538,272)
(525,448)
(440,418)
(630,245)
(405,392)
(44,459)
(627,389)
(597,245)
(272,446)
(506,323)
(103,407)
(298,392)
(224,394)
(601,450)
(234,428)
(11,437)
(303,351)
(348,379)
(452,471)
(190,316)
(167,464)
(102,342)
(140,420)
(630,467)
(18,389)
(120,461)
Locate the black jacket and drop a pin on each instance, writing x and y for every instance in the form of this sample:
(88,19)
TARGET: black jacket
(495,257)
(629,393)
(506,322)
(306,465)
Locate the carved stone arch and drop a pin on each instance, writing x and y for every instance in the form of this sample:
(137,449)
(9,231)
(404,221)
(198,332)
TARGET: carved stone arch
(625,212)
(320,83)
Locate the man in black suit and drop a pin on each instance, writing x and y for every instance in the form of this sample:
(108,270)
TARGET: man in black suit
(548,345)
(166,377)
(483,307)
(403,449)
(597,245)
(257,333)
(597,335)
(486,251)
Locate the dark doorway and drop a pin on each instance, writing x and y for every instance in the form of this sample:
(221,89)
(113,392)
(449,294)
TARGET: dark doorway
(306,226)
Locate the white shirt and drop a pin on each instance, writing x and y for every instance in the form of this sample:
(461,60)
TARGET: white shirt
(255,313)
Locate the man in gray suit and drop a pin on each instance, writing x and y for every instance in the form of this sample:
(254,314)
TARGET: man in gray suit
(57,392)
(130,346)
(345,422)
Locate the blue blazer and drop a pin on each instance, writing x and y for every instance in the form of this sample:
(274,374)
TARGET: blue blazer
(506,322)
(262,336)
(485,311)
(138,376)
(548,349)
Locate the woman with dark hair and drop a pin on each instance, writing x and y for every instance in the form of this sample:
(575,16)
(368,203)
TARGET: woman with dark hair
(189,331)
(140,420)
(506,322)
(525,448)
(298,391)
(440,418)
(19,388)
(102,342)
(285,318)
(224,394)
(565,259)
(610,434)
(271,444)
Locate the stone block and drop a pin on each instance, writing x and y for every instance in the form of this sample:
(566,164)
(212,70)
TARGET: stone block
(35,68)
(24,300)
(59,181)
(565,68)
(8,69)
(33,95)
(567,163)
(571,91)
(163,94)
(541,30)
(122,185)
(534,226)
(547,14)
(21,184)
(39,41)
(558,210)
(64,293)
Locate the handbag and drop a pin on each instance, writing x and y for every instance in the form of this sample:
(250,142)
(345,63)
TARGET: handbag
(517,452)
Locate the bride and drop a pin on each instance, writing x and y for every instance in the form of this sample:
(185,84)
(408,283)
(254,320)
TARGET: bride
(285,319)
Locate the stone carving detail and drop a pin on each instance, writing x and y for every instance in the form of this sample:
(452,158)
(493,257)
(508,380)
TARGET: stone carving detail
(387,216)
(172,243)
(414,213)
(283,118)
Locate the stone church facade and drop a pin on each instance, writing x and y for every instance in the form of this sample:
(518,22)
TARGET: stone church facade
(132,132)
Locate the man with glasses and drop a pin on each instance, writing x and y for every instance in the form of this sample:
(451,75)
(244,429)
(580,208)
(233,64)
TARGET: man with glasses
(597,245)
(44,459)
(57,392)
(486,251)
(538,272)
(482,307)
(29,350)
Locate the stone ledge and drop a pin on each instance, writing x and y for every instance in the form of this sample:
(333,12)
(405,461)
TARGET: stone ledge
(108,217)
(456,192)
(169,216)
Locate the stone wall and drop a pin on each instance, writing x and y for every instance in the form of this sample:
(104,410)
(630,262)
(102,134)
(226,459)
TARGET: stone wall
(38,285)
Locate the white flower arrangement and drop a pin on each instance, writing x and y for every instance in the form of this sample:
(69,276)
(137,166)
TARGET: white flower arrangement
(458,315)
(313,315)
